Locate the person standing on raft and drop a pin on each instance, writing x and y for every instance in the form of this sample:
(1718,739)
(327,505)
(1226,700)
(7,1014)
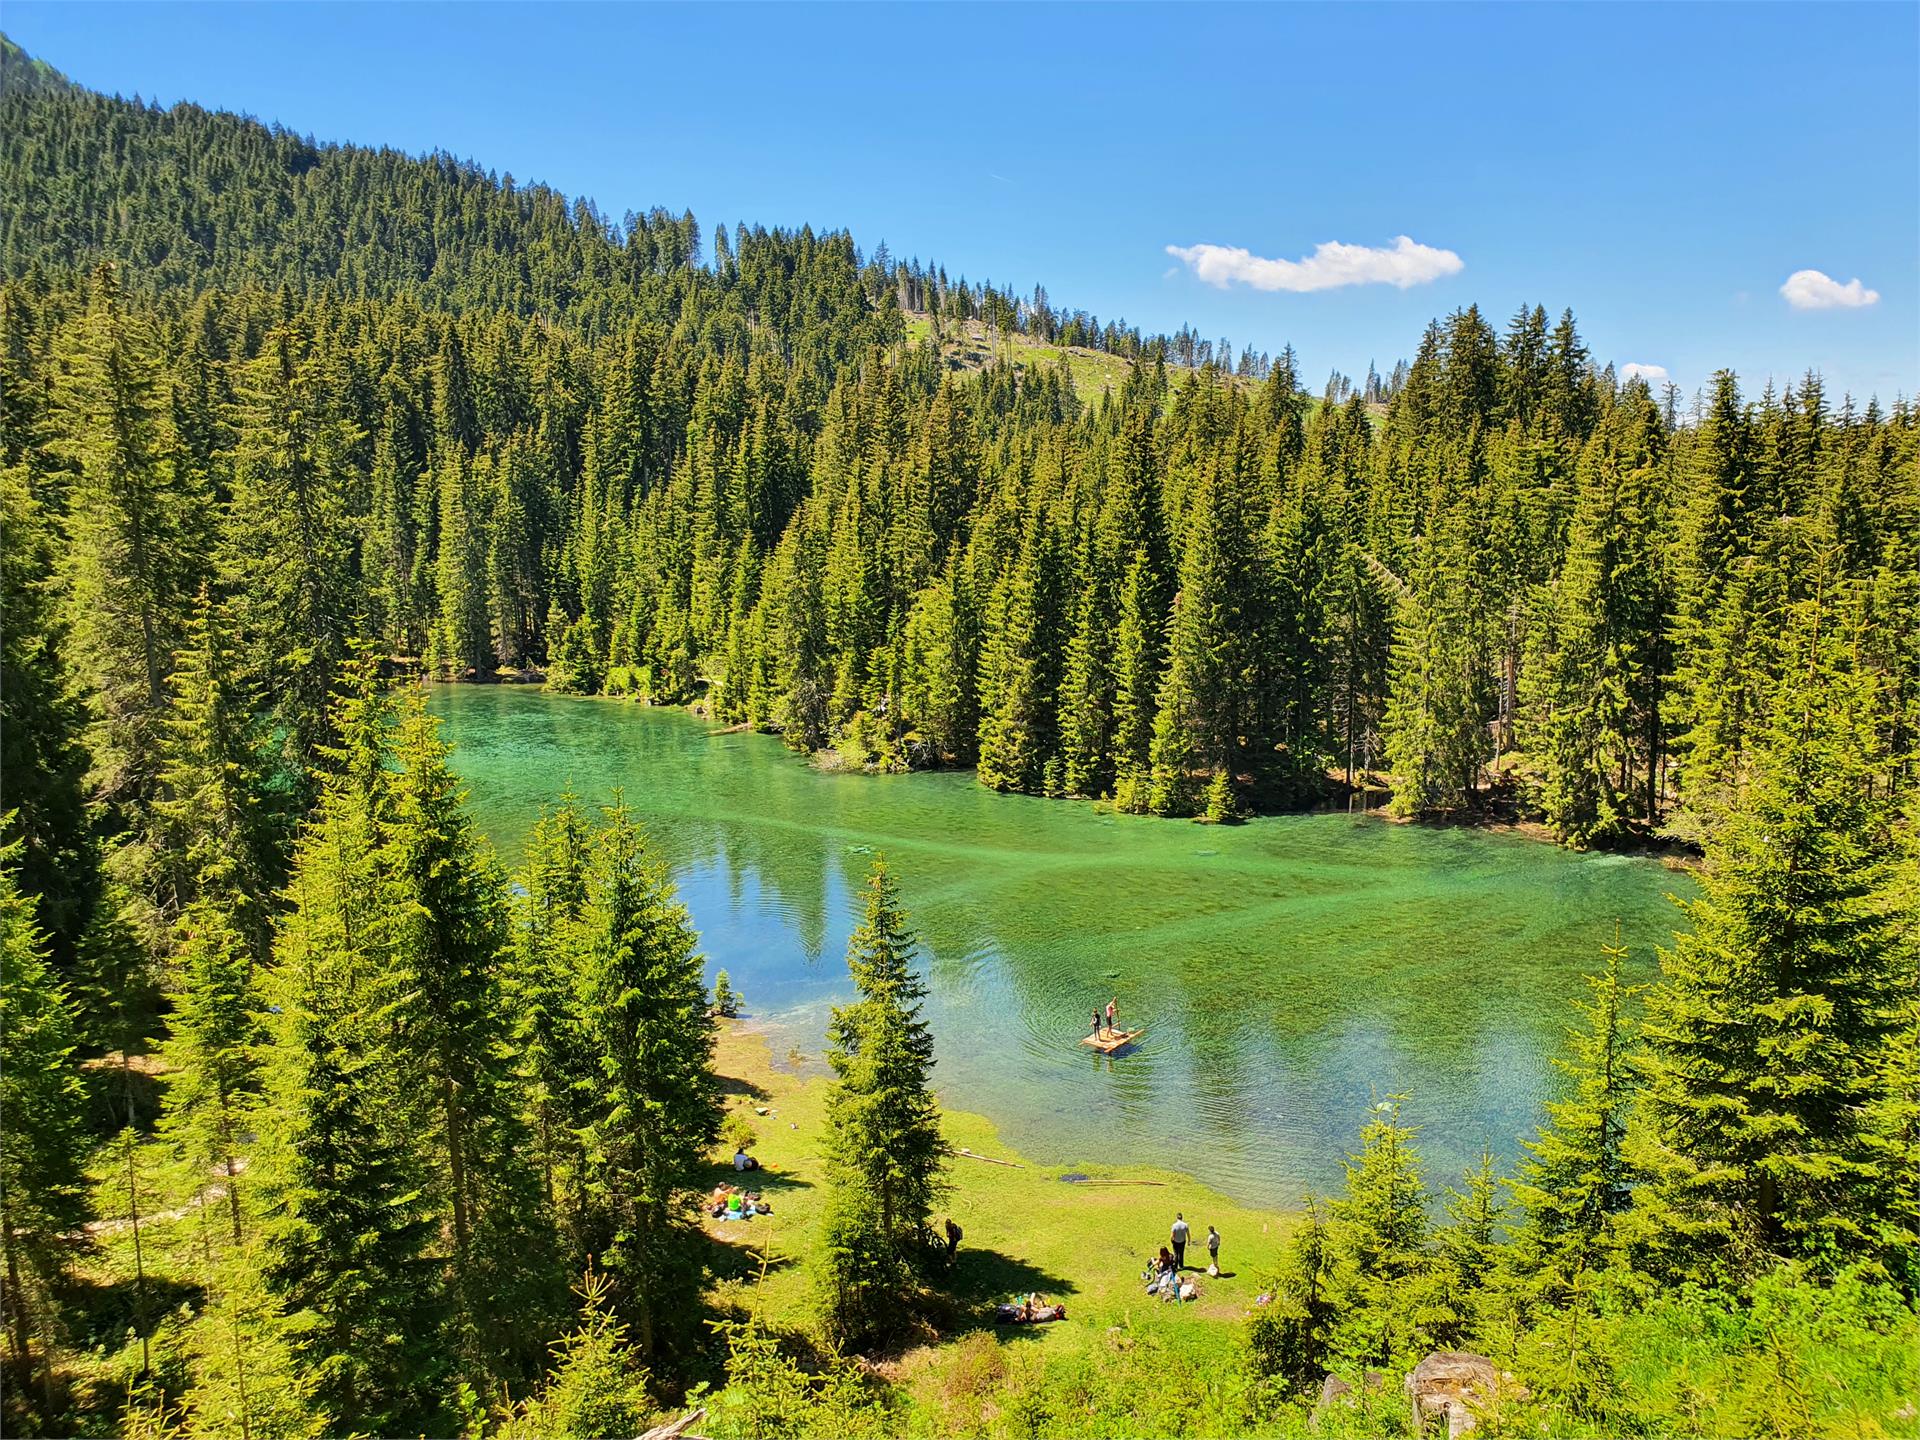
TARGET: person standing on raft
(1110,1017)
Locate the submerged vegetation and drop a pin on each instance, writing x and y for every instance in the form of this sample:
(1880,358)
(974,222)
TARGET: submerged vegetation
(317,1122)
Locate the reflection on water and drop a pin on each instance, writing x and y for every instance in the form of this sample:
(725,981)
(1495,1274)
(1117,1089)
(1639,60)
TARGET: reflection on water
(1287,970)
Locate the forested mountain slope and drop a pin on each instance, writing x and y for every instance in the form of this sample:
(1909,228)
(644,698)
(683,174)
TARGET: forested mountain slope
(278,416)
(545,440)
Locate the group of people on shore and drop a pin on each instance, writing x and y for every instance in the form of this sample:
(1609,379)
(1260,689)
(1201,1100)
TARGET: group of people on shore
(1163,1273)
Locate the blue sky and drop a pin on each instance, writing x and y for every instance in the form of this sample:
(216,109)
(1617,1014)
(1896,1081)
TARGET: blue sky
(1664,170)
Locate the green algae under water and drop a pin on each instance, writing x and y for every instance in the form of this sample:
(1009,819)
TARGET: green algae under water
(1289,971)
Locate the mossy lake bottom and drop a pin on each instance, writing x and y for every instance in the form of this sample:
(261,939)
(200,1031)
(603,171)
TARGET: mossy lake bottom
(1290,971)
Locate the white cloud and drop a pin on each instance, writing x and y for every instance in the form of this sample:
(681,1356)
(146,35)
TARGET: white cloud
(1816,290)
(1652,374)
(1332,265)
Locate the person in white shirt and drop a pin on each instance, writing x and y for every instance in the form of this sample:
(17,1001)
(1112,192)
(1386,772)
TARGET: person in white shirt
(1180,1233)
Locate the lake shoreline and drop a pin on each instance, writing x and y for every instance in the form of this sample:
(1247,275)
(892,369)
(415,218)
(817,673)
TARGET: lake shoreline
(1293,968)
(1672,854)
(1080,1242)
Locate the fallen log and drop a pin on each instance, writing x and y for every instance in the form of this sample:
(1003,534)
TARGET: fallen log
(1113,1182)
(1010,1164)
(676,1429)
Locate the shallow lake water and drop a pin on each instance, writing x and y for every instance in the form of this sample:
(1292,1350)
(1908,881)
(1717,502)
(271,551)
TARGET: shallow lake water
(1290,971)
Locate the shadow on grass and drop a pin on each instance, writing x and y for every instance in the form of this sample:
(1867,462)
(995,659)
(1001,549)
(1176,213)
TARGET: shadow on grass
(740,1254)
(979,1280)
(762,1181)
(104,1314)
(734,1085)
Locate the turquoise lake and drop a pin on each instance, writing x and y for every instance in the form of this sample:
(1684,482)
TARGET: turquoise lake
(1289,971)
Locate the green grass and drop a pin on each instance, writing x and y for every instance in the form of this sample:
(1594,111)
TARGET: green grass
(1025,1229)
(968,347)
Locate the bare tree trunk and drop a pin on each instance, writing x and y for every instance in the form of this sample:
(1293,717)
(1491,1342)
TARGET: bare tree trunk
(139,1252)
(233,1197)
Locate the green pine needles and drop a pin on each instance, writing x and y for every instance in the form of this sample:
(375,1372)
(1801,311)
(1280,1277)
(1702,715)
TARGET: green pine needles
(886,1153)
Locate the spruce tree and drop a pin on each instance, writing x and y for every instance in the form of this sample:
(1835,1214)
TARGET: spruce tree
(446,1032)
(1379,1230)
(1020,662)
(287,546)
(1137,651)
(1439,704)
(1891,1192)
(463,638)
(215,1046)
(886,1154)
(43,1145)
(558,1072)
(1765,1034)
(218,812)
(1577,1177)
(599,1387)
(1592,679)
(1086,688)
(133,547)
(247,1379)
(43,762)
(392,557)
(938,682)
(1467,1248)
(656,1106)
(1203,709)
(347,1238)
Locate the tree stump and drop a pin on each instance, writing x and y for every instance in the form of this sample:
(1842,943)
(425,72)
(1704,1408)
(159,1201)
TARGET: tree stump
(1458,1385)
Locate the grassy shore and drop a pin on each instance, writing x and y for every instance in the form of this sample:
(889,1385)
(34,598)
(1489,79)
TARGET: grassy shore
(1083,1244)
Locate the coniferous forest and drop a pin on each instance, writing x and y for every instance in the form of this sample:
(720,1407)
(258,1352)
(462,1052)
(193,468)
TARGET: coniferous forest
(285,425)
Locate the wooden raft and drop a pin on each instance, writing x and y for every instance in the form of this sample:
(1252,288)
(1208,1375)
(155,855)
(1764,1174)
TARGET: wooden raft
(1107,1042)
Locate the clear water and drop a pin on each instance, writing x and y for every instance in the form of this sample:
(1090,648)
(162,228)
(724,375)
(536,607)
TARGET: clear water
(1289,971)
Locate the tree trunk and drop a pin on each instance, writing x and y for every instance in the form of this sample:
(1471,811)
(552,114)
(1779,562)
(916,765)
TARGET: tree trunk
(139,1255)
(456,1168)
(20,1315)
(1653,754)
(233,1198)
